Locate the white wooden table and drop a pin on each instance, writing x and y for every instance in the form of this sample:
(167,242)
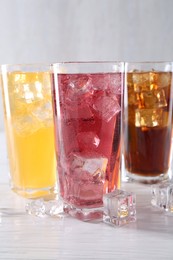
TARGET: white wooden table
(28,237)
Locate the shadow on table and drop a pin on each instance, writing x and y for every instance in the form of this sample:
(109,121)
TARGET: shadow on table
(152,219)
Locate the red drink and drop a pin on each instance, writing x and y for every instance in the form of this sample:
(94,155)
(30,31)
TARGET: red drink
(87,123)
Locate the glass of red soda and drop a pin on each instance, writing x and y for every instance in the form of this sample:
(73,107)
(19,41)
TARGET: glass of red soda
(87,115)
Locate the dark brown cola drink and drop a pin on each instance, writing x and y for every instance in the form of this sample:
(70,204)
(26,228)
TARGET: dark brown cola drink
(147,123)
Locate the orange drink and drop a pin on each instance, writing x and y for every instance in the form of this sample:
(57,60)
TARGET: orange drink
(29,129)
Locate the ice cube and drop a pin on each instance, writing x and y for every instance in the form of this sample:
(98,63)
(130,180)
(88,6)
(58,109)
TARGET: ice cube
(119,208)
(107,107)
(115,84)
(133,98)
(78,111)
(54,208)
(162,196)
(161,98)
(23,92)
(148,117)
(43,112)
(141,81)
(164,79)
(153,99)
(100,81)
(79,82)
(79,86)
(45,207)
(95,167)
(29,86)
(26,124)
(87,140)
(36,208)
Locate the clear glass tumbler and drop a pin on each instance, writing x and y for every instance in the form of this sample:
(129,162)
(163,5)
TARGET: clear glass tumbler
(147,125)
(87,114)
(28,117)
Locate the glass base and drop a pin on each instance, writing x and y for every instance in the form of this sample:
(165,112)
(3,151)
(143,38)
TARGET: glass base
(34,193)
(84,214)
(146,179)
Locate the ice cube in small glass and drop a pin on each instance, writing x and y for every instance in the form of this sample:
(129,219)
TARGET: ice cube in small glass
(119,208)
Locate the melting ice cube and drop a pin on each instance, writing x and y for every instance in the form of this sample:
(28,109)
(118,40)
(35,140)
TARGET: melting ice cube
(107,107)
(119,208)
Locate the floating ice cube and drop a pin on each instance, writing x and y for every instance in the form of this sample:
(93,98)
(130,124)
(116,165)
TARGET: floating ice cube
(148,117)
(26,124)
(78,111)
(87,140)
(107,107)
(161,98)
(79,86)
(43,112)
(115,83)
(133,97)
(96,167)
(162,196)
(164,79)
(80,82)
(29,92)
(100,81)
(119,208)
(141,82)
(153,99)
(23,92)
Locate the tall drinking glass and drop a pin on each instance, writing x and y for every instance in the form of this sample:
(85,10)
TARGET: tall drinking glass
(87,115)
(148,120)
(29,128)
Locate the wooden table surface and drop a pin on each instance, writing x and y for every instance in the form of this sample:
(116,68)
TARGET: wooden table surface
(28,237)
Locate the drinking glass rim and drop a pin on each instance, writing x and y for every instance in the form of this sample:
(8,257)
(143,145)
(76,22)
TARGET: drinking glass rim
(14,67)
(87,67)
(86,62)
(146,66)
(148,62)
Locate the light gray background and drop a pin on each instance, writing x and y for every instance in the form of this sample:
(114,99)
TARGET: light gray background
(71,30)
